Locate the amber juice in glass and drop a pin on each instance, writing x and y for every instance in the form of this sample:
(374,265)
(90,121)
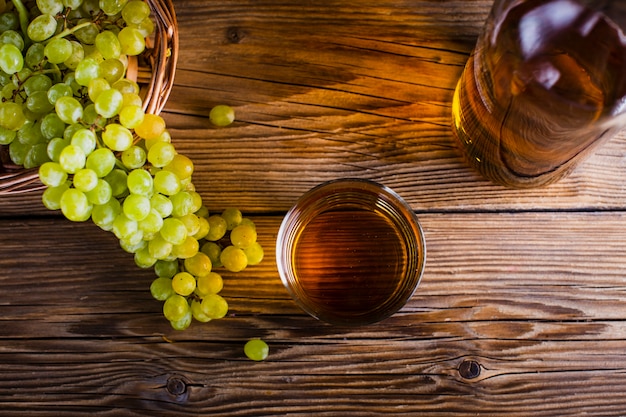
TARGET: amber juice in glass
(350,252)
(543,88)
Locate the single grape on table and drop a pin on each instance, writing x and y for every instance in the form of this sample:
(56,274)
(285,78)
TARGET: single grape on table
(68,109)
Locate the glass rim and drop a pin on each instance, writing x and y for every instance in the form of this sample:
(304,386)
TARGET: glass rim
(391,204)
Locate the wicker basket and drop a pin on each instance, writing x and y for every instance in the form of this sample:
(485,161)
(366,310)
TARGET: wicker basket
(154,71)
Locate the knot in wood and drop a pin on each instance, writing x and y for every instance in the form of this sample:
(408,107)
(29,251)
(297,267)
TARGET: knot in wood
(469,369)
(176,386)
(234,34)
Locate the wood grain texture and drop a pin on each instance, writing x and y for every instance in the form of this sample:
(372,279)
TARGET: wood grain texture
(521,307)
(541,316)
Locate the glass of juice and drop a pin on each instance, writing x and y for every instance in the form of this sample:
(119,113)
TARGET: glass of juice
(350,252)
(543,88)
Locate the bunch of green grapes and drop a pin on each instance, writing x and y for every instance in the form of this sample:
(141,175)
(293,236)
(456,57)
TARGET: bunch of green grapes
(68,108)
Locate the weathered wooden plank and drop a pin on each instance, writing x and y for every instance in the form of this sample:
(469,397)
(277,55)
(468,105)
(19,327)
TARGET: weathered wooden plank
(527,296)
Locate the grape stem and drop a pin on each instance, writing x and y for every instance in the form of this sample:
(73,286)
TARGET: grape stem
(24,19)
(69,31)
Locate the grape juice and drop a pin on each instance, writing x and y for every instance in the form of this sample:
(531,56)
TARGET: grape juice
(538,89)
(349,263)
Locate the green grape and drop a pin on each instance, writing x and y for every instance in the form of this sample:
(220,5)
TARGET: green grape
(222,115)
(135,11)
(134,242)
(132,41)
(58,50)
(182,204)
(192,223)
(167,183)
(109,103)
(173,231)
(211,283)
(134,157)
(12,37)
(117,180)
(166,269)
(256,349)
(59,90)
(151,127)
(52,174)
(124,227)
(101,193)
(213,250)
(85,180)
(55,146)
(34,56)
(30,133)
(37,82)
(139,181)
(161,288)
(203,228)
(72,4)
(175,307)
(180,165)
(132,99)
(86,34)
(160,248)
(108,44)
(77,55)
(233,259)
(52,126)
(187,249)
(92,118)
(68,109)
(38,103)
(198,265)
(11,116)
(254,253)
(9,21)
(117,137)
(243,236)
(112,70)
(161,154)
(136,207)
(217,227)
(145,27)
(103,215)
(126,86)
(11,59)
(87,70)
(51,196)
(72,158)
(42,27)
(75,205)
(152,223)
(184,322)
(52,7)
(85,139)
(101,161)
(143,258)
(233,217)
(7,136)
(112,7)
(131,116)
(162,204)
(198,314)
(214,306)
(97,86)
(184,283)
(36,156)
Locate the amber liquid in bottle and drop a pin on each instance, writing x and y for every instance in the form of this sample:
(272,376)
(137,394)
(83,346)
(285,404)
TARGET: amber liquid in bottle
(535,94)
(349,262)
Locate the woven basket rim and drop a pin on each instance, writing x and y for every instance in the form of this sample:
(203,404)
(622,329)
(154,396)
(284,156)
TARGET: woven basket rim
(157,80)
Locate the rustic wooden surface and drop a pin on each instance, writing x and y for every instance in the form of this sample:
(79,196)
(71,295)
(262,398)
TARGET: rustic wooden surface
(522,307)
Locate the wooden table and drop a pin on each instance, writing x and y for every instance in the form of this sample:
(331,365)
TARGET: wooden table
(522,307)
